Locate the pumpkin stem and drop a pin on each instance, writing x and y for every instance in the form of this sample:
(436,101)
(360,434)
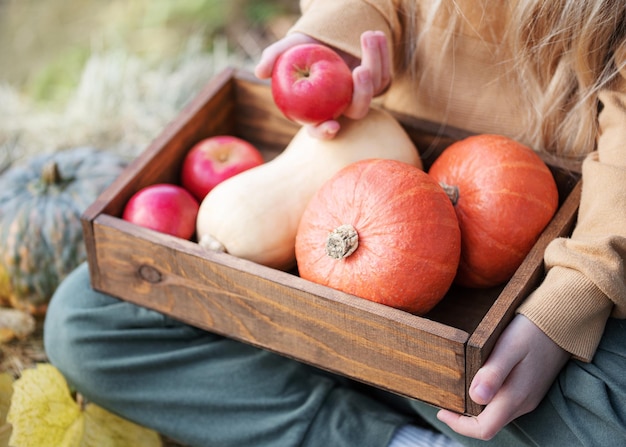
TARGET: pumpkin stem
(50,174)
(452,192)
(342,242)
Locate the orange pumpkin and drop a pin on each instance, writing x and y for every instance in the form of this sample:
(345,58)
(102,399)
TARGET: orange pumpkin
(382,230)
(504,196)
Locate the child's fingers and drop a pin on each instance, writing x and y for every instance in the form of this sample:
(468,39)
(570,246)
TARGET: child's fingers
(362,94)
(385,63)
(324,131)
(375,57)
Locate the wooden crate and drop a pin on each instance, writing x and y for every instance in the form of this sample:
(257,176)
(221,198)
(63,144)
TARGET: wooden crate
(432,358)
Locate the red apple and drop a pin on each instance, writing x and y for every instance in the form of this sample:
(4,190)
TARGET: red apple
(213,160)
(164,207)
(311,84)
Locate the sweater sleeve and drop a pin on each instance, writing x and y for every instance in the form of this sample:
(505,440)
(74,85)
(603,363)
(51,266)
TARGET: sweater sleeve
(586,282)
(340,23)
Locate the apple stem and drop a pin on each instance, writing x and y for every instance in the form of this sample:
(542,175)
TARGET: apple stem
(304,72)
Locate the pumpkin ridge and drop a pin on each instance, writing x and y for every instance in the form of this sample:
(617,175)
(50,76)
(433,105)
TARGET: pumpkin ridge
(496,244)
(389,206)
(469,265)
(541,204)
(422,259)
(529,180)
(529,163)
(540,208)
(485,235)
(506,191)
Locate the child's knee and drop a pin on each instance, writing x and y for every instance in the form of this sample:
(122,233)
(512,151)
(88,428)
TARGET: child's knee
(59,336)
(65,326)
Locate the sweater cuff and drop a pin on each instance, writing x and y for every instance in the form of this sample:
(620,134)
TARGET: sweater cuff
(588,309)
(340,23)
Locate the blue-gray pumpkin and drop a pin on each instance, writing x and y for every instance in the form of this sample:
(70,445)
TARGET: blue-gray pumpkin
(41,238)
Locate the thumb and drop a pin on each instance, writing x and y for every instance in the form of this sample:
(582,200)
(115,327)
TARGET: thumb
(486,384)
(490,378)
(265,65)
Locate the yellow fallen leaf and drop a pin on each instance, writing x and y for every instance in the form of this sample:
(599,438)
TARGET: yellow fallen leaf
(5,434)
(6,390)
(43,413)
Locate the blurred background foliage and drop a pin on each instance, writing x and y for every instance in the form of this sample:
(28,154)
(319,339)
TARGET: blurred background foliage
(45,44)
(112,73)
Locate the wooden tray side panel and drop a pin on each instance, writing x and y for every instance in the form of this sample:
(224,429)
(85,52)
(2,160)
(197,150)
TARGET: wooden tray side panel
(368,342)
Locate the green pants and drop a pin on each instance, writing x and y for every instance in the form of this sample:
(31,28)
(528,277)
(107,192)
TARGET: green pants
(206,390)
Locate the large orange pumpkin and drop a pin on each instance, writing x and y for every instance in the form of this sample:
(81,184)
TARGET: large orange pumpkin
(504,196)
(382,230)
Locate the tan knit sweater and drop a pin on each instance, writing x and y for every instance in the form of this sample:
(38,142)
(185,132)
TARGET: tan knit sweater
(585,282)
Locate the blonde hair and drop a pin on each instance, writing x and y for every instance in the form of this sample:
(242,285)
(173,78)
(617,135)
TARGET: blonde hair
(563,52)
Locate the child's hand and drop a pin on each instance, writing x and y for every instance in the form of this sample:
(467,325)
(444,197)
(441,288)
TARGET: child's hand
(371,75)
(514,379)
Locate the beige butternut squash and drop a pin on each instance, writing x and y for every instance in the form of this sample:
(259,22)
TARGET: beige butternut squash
(255,214)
